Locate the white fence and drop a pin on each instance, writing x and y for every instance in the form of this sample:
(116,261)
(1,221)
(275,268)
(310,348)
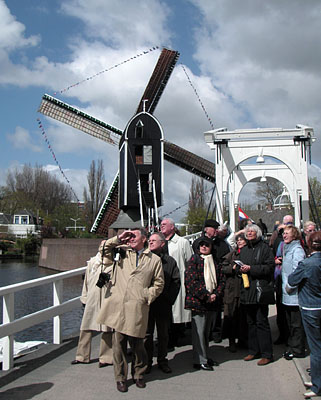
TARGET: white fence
(10,326)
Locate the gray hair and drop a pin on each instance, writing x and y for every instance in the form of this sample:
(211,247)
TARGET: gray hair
(171,221)
(254,228)
(160,235)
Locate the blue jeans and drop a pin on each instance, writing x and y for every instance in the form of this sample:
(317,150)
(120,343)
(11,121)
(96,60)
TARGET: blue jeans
(312,326)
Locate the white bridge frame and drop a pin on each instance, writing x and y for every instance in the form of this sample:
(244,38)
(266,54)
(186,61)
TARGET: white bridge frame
(292,147)
(10,326)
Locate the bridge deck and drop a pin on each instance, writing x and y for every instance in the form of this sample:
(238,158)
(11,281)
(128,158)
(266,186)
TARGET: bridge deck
(48,374)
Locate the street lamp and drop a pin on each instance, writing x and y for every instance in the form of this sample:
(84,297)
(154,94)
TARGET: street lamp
(75,220)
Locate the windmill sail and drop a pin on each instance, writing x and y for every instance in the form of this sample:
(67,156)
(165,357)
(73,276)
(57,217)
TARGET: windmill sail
(69,115)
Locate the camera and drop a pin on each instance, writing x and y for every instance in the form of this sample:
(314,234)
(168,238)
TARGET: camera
(103,279)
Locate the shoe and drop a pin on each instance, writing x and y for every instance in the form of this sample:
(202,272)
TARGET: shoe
(288,355)
(102,365)
(204,367)
(165,368)
(122,387)
(74,362)
(250,357)
(308,384)
(140,383)
(265,361)
(309,394)
(148,369)
(212,363)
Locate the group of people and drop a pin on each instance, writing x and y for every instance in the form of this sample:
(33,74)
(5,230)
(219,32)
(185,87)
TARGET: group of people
(163,281)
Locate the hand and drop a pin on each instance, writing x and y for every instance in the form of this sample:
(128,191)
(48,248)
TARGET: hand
(212,298)
(125,236)
(245,268)
(278,261)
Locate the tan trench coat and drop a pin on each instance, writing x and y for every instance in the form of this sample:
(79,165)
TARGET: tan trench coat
(92,296)
(180,249)
(132,290)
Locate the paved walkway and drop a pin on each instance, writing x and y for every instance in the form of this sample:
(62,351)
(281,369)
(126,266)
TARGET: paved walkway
(48,375)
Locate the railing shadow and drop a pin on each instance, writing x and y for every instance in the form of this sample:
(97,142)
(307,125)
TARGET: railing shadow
(30,363)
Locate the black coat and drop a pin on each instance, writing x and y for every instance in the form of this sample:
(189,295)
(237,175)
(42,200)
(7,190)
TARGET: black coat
(196,293)
(163,303)
(260,257)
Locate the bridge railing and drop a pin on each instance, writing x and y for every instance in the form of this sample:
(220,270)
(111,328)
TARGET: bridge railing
(11,326)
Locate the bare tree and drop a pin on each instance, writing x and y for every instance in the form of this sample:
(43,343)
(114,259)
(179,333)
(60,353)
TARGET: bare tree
(197,206)
(97,190)
(35,189)
(269,190)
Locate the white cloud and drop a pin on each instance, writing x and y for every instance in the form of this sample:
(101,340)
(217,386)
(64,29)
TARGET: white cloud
(12,35)
(21,139)
(265,57)
(122,23)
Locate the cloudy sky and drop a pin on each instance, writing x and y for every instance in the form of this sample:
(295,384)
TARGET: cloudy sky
(253,64)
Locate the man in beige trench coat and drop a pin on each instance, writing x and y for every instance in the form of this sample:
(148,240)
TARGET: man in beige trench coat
(137,280)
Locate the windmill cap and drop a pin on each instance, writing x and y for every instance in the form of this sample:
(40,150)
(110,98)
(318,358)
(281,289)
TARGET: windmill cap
(211,223)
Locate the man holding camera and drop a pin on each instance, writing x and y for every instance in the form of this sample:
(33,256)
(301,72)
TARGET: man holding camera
(136,281)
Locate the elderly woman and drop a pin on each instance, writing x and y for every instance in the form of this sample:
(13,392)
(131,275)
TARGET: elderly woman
(231,300)
(308,278)
(258,261)
(204,287)
(293,253)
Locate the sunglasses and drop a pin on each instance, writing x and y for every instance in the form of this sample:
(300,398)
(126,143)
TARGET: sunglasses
(204,244)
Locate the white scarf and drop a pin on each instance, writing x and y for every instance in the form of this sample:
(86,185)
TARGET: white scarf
(209,272)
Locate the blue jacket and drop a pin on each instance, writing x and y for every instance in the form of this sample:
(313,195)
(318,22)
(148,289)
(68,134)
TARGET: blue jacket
(308,277)
(293,253)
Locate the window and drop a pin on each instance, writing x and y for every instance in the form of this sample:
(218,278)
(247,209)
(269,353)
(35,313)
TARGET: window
(17,220)
(24,220)
(139,130)
(148,155)
(144,155)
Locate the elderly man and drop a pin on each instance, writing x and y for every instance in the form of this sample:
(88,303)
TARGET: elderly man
(160,311)
(137,279)
(180,249)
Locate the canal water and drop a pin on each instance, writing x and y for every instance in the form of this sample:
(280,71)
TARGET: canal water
(34,299)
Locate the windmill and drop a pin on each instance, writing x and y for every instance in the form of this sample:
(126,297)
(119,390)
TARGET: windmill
(63,112)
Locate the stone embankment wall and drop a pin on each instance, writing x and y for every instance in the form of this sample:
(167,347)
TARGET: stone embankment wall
(67,254)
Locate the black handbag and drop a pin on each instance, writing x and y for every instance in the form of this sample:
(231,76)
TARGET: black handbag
(265,292)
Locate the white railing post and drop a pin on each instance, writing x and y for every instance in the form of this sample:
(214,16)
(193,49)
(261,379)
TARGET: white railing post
(57,300)
(8,316)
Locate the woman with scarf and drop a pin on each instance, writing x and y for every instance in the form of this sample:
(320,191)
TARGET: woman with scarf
(204,287)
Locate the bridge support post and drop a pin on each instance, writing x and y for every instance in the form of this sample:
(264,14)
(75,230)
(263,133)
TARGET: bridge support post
(57,300)
(8,316)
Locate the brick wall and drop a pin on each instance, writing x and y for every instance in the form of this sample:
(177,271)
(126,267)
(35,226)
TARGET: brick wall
(67,254)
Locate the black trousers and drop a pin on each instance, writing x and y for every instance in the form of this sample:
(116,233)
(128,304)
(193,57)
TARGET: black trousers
(162,321)
(296,339)
(259,331)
